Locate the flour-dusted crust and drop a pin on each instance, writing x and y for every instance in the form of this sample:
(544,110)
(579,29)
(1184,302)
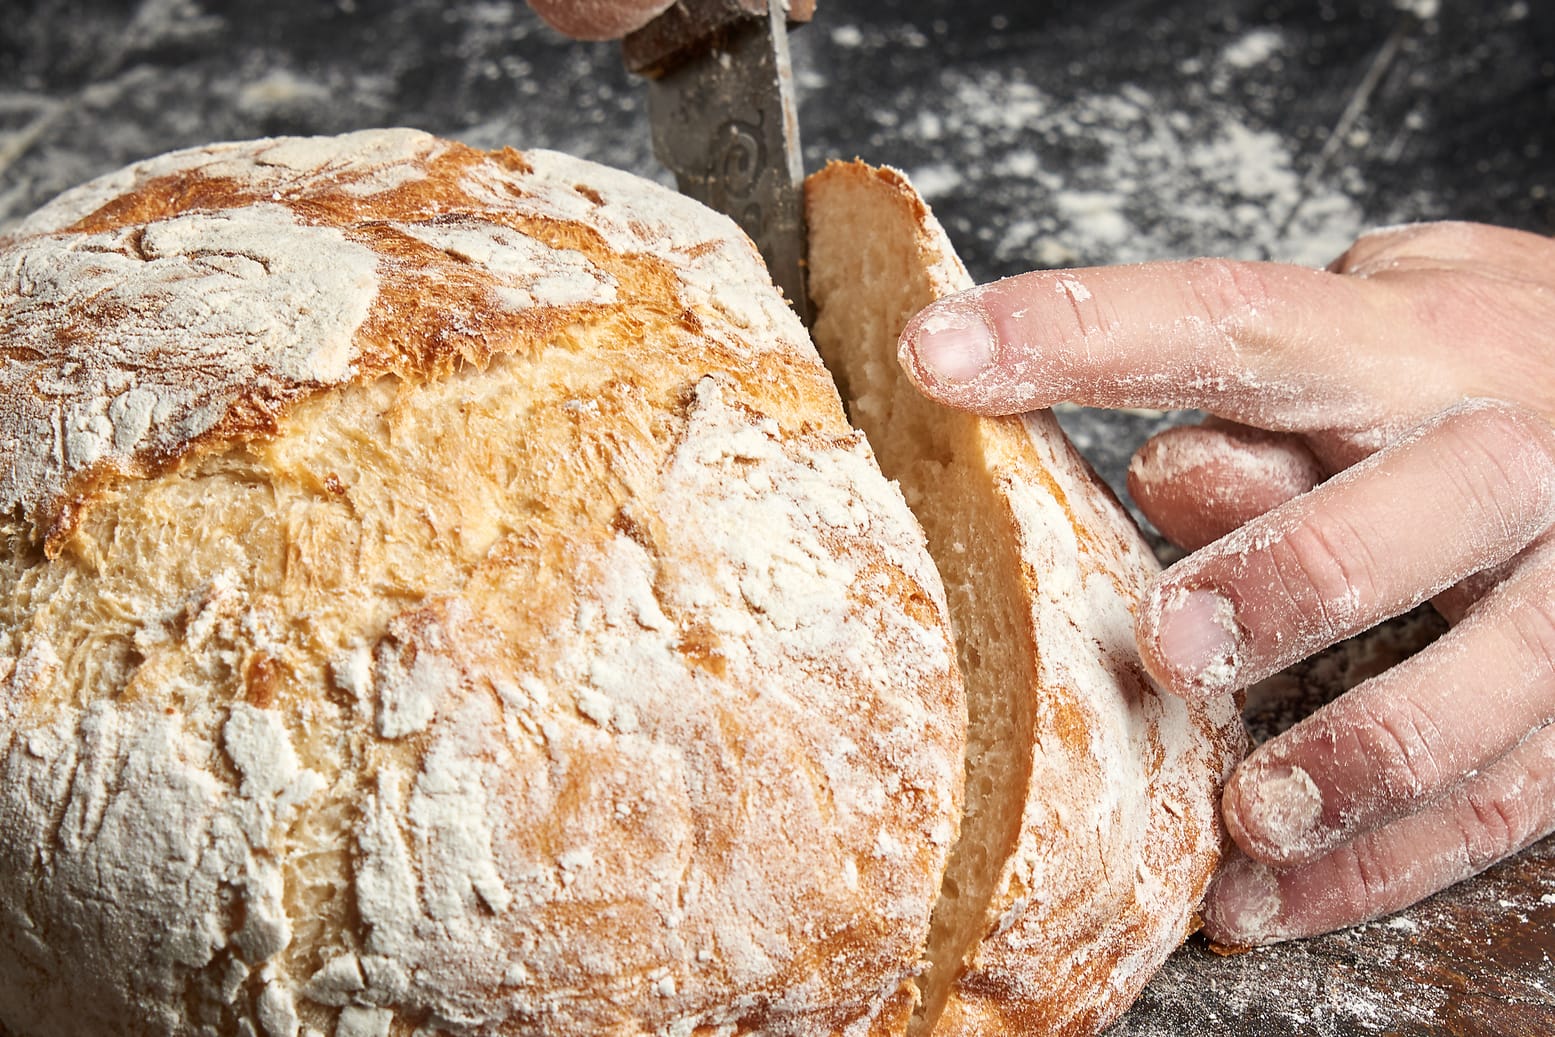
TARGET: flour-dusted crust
(1119,826)
(290,265)
(441,594)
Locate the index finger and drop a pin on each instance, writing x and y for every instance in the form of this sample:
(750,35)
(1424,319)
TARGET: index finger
(1280,347)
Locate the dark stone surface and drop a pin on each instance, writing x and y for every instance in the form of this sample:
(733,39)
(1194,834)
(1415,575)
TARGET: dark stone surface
(1044,134)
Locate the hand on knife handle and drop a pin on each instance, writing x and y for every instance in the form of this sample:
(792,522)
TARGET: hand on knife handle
(721,101)
(612,19)
(598,19)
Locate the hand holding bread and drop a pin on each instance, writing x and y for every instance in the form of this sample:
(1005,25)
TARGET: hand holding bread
(1415,371)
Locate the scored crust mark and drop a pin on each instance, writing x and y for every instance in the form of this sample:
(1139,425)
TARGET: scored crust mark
(1092,821)
(191,300)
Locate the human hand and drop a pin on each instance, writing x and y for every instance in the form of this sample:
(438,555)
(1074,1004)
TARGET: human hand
(1418,371)
(598,19)
(610,19)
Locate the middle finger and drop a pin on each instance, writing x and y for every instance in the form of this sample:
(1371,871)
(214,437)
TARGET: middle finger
(1465,492)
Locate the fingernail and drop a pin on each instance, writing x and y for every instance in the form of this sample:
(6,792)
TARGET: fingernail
(1280,809)
(1243,904)
(953,344)
(1198,637)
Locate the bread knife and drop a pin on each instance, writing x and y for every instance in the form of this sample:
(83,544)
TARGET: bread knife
(722,109)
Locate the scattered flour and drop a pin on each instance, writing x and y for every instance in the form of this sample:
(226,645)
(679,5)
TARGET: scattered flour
(1121,175)
(848,36)
(1254,49)
(1422,9)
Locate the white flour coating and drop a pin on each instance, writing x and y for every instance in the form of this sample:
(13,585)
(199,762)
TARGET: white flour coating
(1254,49)
(283,164)
(718,266)
(533,273)
(1223,674)
(1076,613)
(315,157)
(757,508)
(272,783)
(450,866)
(251,297)
(356,1021)
(193,310)
(134,343)
(1073,289)
(27,675)
(414,669)
(1234,465)
(114,817)
(1287,803)
(1422,9)
(428,873)
(1129,848)
(955,316)
(757,658)
(1253,887)
(1120,826)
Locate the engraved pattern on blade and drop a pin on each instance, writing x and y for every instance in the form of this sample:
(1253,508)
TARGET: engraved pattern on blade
(724,123)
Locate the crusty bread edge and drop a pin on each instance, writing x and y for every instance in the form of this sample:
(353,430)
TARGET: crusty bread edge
(994,993)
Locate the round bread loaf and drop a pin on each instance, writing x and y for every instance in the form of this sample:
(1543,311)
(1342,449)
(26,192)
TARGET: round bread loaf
(442,594)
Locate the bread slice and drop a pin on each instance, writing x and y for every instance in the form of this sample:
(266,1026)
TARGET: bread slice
(1091,824)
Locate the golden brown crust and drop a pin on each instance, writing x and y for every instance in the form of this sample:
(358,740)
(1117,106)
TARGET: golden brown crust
(534,649)
(406,202)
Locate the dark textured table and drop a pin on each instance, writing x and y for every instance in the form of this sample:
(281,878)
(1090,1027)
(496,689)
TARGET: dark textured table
(1045,134)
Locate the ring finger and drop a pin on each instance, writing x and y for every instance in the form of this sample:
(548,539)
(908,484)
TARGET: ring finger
(1406,736)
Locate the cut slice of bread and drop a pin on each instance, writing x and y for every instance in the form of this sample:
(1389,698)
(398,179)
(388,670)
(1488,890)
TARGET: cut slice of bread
(1092,823)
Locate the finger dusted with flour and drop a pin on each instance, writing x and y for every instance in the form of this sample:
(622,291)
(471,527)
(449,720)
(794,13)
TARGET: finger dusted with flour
(1331,564)
(1206,333)
(1398,741)
(1369,804)
(1197,483)
(1488,817)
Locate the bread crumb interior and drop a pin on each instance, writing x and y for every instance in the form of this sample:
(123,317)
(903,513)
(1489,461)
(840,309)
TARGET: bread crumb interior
(867,280)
